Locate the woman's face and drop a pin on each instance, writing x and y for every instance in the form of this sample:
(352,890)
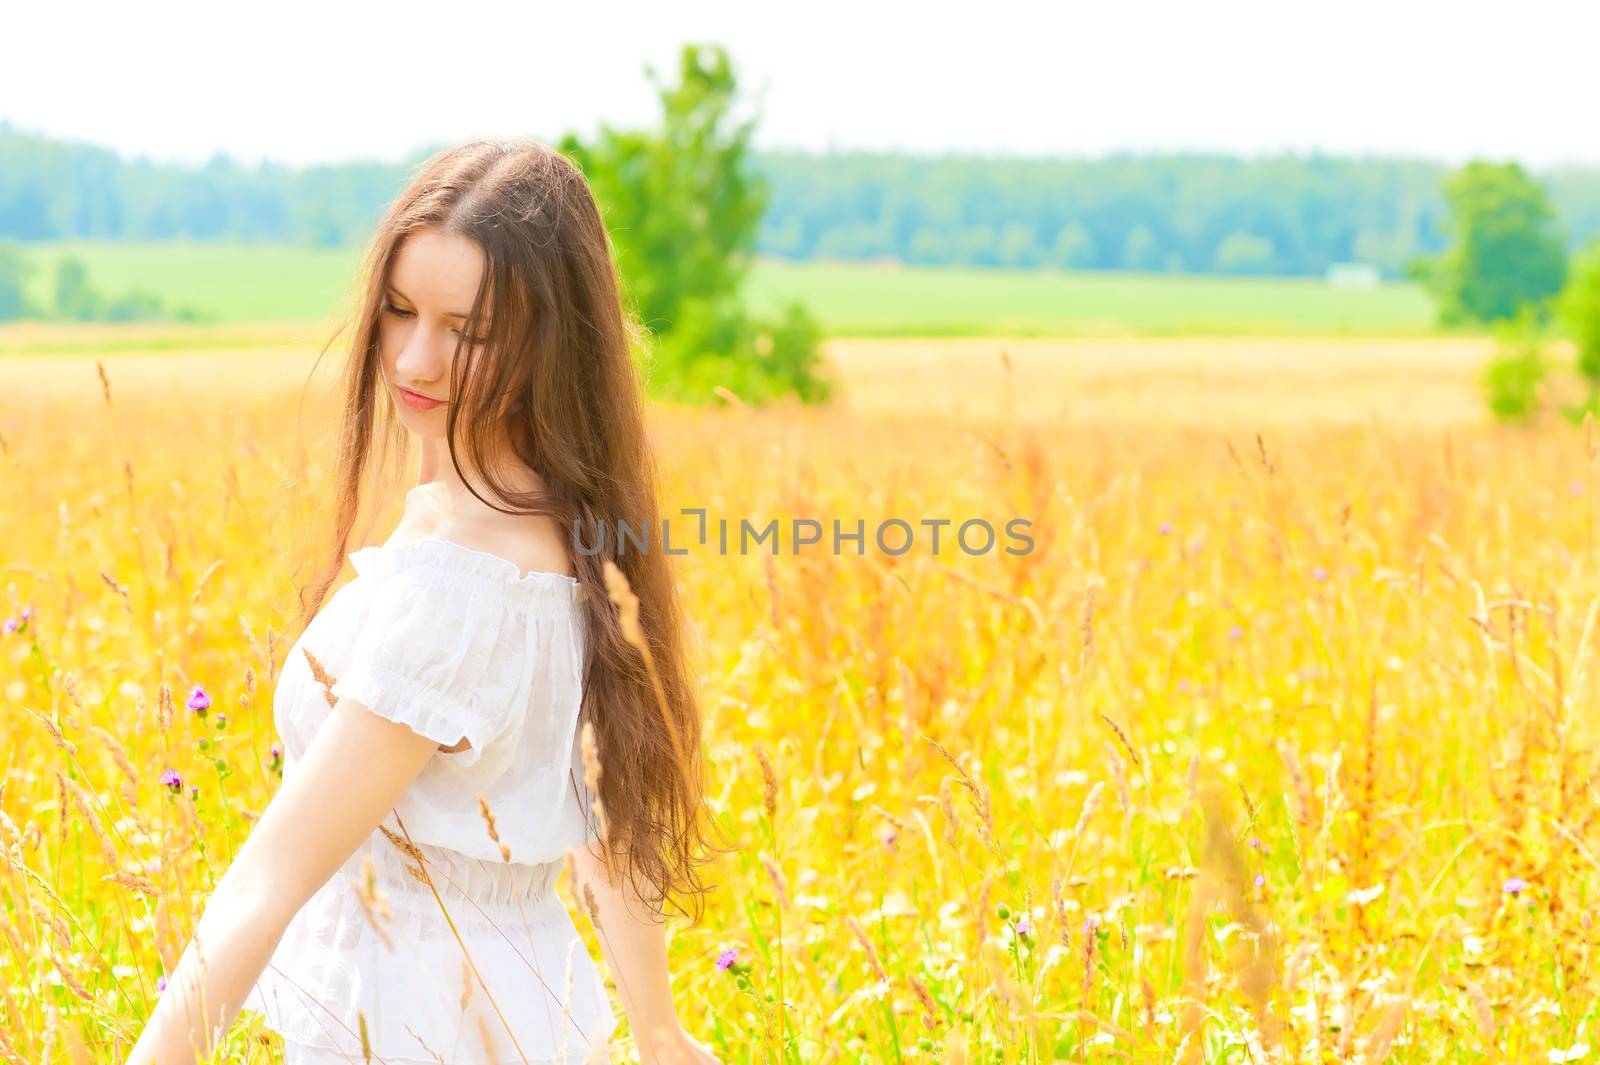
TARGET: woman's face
(432,280)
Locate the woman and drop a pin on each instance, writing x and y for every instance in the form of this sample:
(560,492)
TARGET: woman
(472,709)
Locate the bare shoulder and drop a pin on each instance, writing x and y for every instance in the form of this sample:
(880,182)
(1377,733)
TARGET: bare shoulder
(535,542)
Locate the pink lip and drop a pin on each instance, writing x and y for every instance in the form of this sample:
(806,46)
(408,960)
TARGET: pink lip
(417,401)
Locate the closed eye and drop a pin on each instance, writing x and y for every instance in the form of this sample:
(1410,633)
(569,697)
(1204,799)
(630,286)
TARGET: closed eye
(400,312)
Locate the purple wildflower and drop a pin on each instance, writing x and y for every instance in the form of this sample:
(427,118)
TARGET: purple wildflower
(171,779)
(1514,885)
(222,719)
(1260,880)
(161,982)
(1024,926)
(194,791)
(1236,632)
(889,837)
(20,622)
(275,751)
(1320,573)
(199,701)
(1166,528)
(726,959)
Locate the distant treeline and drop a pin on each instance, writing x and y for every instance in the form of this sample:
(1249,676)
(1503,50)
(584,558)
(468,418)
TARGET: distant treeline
(1287,215)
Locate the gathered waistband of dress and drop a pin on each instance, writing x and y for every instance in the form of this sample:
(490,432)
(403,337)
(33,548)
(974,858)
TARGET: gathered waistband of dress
(507,886)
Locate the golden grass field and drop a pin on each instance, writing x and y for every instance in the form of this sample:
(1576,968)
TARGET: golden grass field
(1279,745)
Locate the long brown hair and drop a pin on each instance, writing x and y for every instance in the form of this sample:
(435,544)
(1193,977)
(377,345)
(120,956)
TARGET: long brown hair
(554,385)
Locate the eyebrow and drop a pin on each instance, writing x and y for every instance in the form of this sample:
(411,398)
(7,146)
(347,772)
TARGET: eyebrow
(402,295)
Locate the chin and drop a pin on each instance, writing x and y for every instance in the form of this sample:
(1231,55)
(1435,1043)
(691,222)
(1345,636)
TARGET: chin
(423,423)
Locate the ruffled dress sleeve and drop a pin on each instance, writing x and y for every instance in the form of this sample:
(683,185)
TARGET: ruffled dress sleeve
(439,657)
(454,643)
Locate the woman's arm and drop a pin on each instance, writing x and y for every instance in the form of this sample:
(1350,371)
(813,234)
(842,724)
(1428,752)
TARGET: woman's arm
(312,826)
(633,937)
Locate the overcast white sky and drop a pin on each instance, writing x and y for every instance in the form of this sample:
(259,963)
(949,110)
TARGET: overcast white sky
(305,82)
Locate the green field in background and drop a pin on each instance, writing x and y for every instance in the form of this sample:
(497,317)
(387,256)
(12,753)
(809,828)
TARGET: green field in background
(242,283)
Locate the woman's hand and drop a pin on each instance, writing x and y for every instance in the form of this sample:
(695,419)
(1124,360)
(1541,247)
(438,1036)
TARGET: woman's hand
(676,1047)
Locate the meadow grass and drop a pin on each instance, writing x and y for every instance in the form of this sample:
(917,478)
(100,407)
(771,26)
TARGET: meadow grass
(243,283)
(865,299)
(1278,745)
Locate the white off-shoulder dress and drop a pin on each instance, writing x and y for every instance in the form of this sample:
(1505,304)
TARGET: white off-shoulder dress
(452,642)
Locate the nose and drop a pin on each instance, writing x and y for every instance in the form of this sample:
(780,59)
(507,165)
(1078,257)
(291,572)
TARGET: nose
(424,356)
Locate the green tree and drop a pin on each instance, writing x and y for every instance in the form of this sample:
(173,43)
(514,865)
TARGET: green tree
(683,207)
(78,301)
(1516,372)
(1580,309)
(75,299)
(1141,250)
(1244,253)
(1507,249)
(14,272)
(1073,248)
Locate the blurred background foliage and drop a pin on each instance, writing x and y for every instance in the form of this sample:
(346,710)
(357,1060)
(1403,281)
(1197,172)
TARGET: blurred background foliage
(885,244)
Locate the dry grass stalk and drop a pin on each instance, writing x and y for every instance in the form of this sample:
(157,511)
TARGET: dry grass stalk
(1259,972)
(8,1049)
(866,944)
(977,795)
(1194,975)
(134,882)
(1482,1012)
(488,820)
(374,902)
(1122,738)
(410,848)
(930,1014)
(1058,903)
(321,676)
(778,883)
(769,783)
(627,603)
(1005,989)
(72,982)
(947,806)
(164,710)
(1091,944)
(1297,779)
(1383,1036)
(81,799)
(1119,773)
(200,585)
(55,732)
(417,871)
(61,811)
(69,684)
(591,777)
(119,754)
(120,589)
(1086,652)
